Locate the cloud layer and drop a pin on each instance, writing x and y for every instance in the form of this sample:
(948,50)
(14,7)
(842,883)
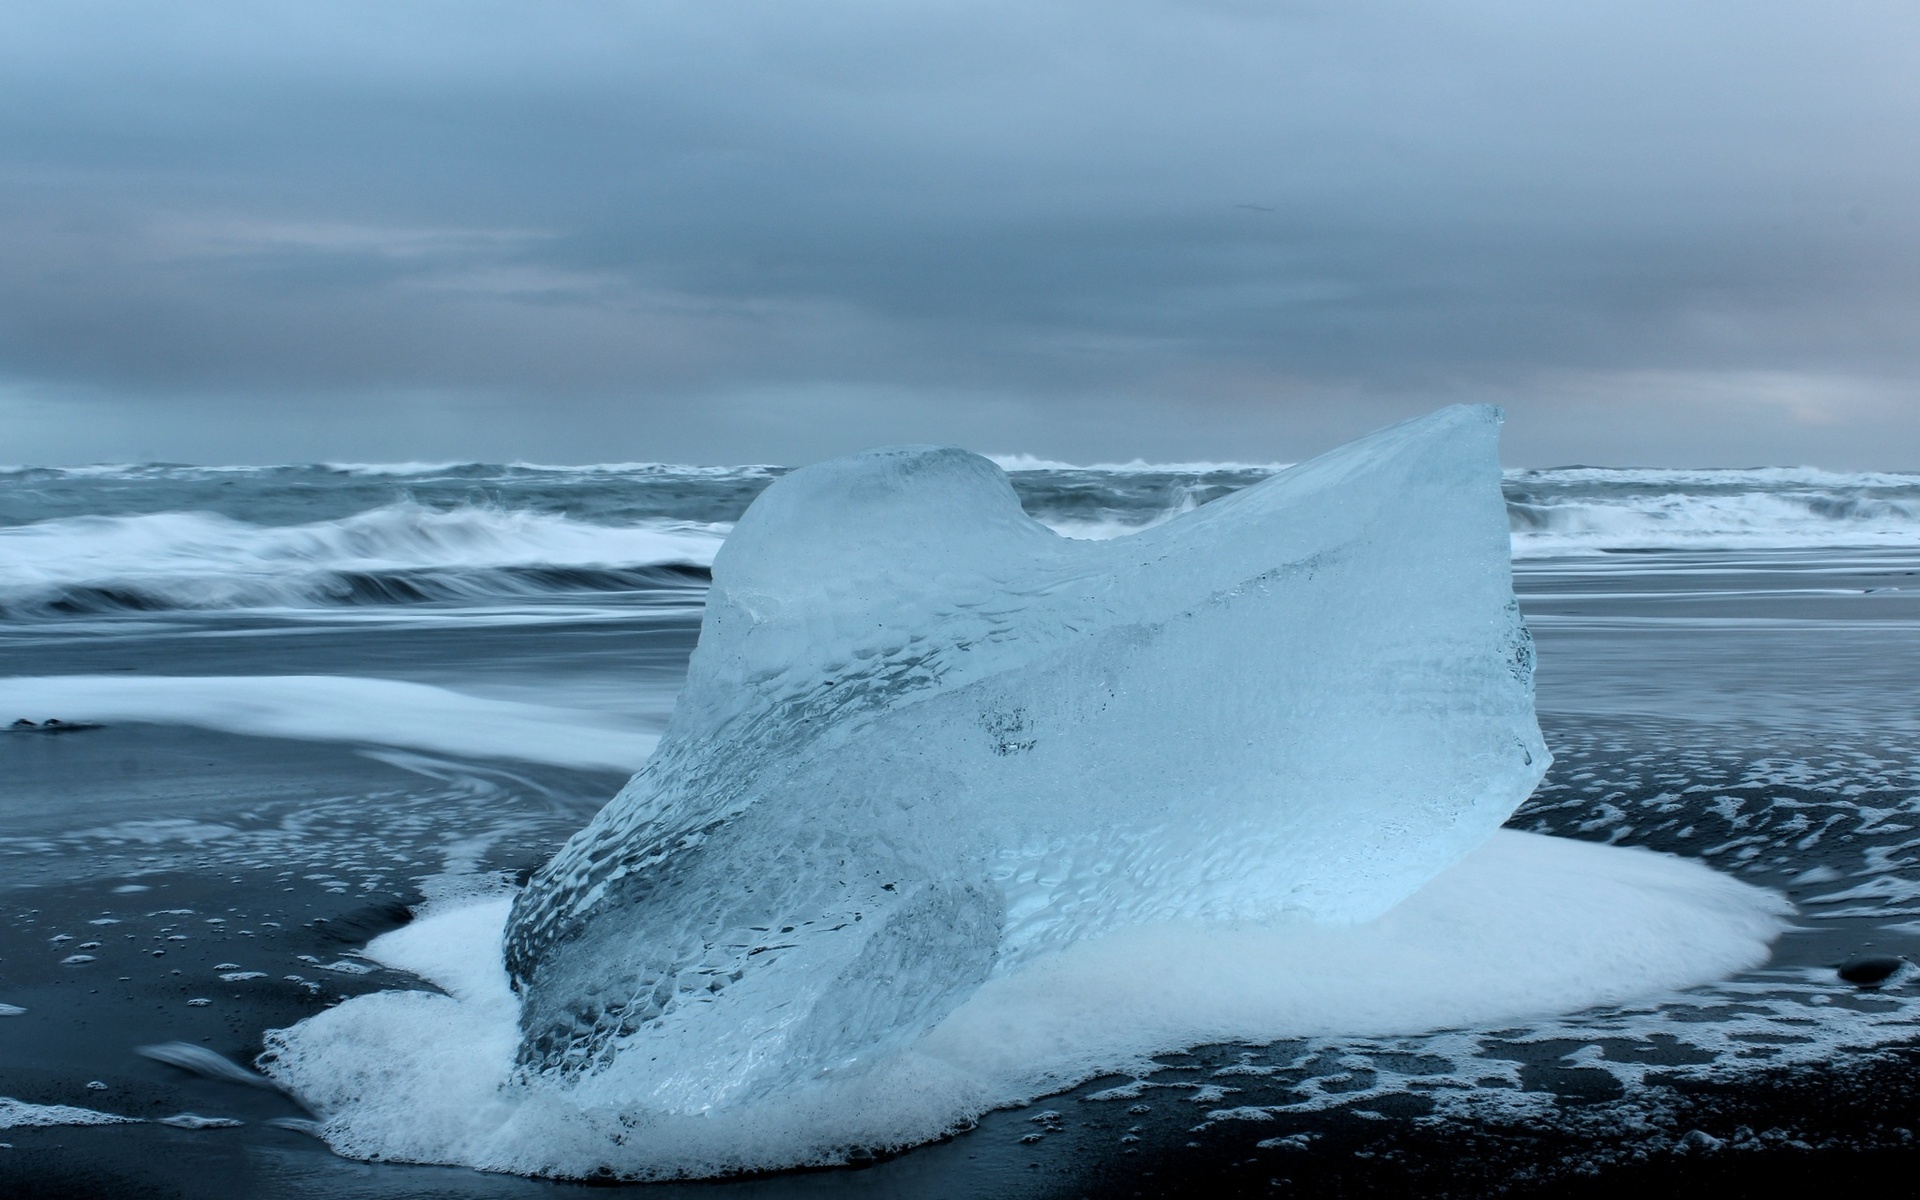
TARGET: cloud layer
(733,230)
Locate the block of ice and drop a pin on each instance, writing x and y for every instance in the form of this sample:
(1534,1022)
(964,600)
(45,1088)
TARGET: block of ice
(924,739)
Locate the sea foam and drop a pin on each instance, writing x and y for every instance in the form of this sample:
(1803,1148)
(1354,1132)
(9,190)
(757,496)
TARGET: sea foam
(18,1114)
(381,712)
(1524,926)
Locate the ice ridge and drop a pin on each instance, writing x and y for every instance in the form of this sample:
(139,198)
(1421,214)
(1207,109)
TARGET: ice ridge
(924,739)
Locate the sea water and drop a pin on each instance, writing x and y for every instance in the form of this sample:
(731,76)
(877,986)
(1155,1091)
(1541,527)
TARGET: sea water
(333,695)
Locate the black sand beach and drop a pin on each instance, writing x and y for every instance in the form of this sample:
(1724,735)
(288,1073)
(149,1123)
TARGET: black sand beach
(1746,708)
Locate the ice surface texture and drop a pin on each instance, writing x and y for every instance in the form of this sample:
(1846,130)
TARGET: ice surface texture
(924,738)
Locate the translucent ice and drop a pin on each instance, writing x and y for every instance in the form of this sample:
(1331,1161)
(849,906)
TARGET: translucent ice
(924,739)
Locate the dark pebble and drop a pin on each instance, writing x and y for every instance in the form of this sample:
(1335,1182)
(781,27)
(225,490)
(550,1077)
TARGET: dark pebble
(1870,970)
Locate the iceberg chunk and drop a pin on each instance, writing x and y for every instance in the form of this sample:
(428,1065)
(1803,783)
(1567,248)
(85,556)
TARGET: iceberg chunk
(924,739)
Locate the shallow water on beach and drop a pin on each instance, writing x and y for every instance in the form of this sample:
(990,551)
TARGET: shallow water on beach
(205,865)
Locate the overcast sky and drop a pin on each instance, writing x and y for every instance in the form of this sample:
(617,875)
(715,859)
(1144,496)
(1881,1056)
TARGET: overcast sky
(1659,231)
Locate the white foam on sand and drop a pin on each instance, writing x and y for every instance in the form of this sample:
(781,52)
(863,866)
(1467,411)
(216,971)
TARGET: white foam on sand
(1525,926)
(18,1114)
(383,712)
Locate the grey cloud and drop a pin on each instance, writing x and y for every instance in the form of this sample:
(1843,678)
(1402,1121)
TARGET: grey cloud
(1226,229)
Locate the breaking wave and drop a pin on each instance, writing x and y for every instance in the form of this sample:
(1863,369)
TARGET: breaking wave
(1579,510)
(1551,512)
(400,553)
(220,538)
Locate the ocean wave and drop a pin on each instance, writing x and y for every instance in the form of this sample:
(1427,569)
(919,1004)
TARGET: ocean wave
(1737,479)
(399,553)
(1587,510)
(1590,510)
(513,470)
(450,469)
(76,541)
(1552,512)
(1012,463)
